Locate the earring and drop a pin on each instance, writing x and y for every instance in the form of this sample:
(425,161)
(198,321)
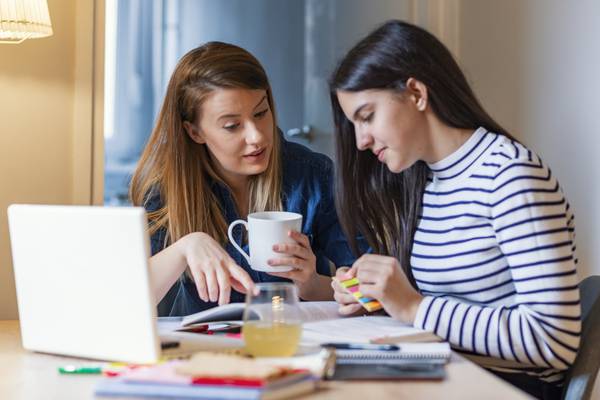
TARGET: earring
(421,104)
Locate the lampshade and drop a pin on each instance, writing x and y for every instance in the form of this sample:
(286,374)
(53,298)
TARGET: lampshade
(24,19)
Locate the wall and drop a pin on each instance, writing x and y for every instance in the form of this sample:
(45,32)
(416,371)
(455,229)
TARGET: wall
(534,65)
(333,28)
(37,91)
(258,28)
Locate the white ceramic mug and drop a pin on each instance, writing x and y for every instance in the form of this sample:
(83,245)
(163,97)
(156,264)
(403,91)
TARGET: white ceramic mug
(266,229)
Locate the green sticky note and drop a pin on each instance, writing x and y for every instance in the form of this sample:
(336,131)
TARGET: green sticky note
(350,282)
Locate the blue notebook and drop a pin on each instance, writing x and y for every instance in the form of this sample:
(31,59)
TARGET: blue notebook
(410,361)
(409,370)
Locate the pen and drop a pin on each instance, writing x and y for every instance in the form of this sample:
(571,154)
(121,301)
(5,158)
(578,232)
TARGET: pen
(111,369)
(169,345)
(362,346)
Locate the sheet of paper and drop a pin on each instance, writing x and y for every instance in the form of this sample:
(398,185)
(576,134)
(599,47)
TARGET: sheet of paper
(318,310)
(355,330)
(168,325)
(308,311)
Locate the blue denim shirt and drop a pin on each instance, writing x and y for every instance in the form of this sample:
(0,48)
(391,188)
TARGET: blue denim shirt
(308,190)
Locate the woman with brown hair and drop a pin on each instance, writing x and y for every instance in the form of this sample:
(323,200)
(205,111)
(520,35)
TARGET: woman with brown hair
(472,236)
(215,156)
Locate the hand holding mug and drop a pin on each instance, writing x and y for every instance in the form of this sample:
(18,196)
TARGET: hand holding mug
(265,230)
(300,256)
(278,248)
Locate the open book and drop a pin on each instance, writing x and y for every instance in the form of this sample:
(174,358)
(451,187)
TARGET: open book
(309,311)
(322,323)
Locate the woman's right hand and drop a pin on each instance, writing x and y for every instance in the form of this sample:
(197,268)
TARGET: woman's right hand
(213,270)
(347,302)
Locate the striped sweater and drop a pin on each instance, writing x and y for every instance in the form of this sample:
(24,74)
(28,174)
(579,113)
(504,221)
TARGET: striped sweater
(493,255)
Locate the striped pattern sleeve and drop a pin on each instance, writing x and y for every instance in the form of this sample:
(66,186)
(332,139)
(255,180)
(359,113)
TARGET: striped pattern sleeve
(534,230)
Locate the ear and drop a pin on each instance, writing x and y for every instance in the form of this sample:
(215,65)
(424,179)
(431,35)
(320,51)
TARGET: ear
(194,133)
(417,92)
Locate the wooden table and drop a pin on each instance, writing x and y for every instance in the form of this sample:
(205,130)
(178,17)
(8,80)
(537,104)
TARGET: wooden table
(28,375)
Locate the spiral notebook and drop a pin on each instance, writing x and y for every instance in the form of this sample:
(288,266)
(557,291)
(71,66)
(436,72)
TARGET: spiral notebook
(366,329)
(408,353)
(411,361)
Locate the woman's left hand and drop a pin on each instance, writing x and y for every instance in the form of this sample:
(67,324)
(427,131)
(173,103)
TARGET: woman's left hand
(299,256)
(382,278)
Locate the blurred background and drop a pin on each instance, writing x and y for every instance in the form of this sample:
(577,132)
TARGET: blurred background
(76,108)
(298,42)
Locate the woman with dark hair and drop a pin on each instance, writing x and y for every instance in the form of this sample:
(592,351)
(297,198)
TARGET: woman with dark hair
(216,155)
(472,236)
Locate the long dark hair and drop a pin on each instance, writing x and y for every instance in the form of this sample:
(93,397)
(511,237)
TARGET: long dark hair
(383,206)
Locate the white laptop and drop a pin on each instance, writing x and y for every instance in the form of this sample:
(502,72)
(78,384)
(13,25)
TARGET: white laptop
(82,281)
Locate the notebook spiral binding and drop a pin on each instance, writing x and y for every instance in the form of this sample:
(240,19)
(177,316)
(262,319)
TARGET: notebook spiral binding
(371,357)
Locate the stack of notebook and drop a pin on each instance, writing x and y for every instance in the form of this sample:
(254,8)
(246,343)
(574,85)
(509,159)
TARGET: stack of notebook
(405,361)
(208,376)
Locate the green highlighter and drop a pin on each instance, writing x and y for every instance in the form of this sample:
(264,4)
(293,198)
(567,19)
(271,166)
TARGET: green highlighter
(73,370)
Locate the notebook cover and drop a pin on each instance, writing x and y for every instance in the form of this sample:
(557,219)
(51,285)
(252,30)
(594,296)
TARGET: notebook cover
(119,387)
(429,371)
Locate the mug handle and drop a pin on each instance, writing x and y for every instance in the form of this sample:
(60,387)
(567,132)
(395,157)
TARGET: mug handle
(232,240)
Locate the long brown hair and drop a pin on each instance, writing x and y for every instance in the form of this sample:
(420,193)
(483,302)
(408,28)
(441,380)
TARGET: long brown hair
(181,170)
(383,206)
